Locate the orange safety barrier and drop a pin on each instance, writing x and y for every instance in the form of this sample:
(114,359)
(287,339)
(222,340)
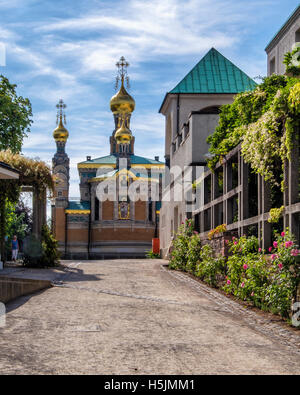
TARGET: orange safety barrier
(155,246)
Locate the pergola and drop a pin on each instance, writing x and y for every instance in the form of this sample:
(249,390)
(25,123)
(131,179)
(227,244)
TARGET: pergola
(39,201)
(7,172)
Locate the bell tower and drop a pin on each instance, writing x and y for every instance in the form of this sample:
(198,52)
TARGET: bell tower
(61,169)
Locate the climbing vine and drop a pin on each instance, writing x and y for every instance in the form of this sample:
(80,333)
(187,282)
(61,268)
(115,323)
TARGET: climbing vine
(32,172)
(264,122)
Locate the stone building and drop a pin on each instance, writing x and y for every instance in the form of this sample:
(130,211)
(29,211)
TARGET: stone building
(117,215)
(191,115)
(282,43)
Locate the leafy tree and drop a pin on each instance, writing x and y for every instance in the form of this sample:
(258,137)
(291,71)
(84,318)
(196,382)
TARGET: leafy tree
(15,113)
(15,121)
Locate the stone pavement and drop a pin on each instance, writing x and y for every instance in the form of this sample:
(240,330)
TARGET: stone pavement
(136,317)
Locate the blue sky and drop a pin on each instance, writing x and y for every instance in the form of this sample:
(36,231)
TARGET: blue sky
(68,49)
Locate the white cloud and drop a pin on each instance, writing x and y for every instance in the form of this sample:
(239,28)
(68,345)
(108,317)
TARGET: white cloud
(146,30)
(74,57)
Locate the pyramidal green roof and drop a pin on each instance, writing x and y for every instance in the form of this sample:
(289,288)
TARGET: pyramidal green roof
(214,74)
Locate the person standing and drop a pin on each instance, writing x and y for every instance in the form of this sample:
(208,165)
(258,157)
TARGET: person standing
(15,248)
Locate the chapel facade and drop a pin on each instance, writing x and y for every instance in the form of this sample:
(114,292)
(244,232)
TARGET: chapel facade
(120,193)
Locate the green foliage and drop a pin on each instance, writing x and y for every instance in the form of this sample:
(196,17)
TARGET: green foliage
(243,246)
(42,253)
(34,173)
(179,254)
(217,230)
(152,255)
(194,249)
(15,222)
(15,113)
(268,282)
(18,222)
(264,122)
(210,269)
(289,59)
(247,108)
(50,248)
(275,214)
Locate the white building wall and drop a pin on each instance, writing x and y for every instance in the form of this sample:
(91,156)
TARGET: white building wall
(190,149)
(282,43)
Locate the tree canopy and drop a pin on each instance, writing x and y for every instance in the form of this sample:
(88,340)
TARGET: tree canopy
(15,116)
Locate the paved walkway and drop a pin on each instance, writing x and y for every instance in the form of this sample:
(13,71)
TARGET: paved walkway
(134,317)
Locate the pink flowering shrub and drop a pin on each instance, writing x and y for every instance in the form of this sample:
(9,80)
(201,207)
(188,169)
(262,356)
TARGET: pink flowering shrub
(268,283)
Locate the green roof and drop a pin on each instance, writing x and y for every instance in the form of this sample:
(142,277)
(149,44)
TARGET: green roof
(76,205)
(214,74)
(140,160)
(104,160)
(112,160)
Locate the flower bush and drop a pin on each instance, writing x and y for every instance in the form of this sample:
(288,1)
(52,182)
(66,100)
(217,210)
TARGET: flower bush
(210,269)
(267,280)
(194,251)
(179,254)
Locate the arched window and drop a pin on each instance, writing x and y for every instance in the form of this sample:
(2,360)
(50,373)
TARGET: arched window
(210,110)
(272,66)
(297,36)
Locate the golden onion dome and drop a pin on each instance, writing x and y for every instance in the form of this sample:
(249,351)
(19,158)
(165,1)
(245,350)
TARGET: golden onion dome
(60,133)
(122,102)
(123,134)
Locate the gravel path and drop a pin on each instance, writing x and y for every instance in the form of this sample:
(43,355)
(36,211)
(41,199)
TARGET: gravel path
(136,317)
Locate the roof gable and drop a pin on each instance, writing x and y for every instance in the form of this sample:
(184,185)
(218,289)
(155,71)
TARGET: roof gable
(214,74)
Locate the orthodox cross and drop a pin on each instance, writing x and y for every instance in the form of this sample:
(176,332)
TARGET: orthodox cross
(122,65)
(60,111)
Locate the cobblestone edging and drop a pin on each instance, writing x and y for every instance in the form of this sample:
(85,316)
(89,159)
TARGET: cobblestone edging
(262,325)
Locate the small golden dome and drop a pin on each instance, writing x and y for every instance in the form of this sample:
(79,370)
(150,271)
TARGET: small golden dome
(123,134)
(60,133)
(122,102)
